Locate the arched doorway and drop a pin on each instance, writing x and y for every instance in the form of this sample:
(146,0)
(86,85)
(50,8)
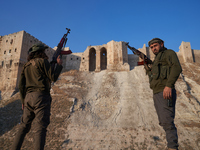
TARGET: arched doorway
(92,59)
(103,58)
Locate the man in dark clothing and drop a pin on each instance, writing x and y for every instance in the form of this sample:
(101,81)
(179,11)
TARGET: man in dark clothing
(163,74)
(34,87)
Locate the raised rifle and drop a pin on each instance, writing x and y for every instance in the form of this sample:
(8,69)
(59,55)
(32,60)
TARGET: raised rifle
(146,61)
(59,50)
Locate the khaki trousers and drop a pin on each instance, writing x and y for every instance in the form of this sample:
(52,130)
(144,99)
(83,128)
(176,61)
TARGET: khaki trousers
(36,107)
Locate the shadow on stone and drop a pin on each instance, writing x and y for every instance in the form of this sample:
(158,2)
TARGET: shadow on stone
(10,116)
(156,138)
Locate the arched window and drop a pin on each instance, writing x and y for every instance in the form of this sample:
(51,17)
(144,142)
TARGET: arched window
(92,59)
(103,59)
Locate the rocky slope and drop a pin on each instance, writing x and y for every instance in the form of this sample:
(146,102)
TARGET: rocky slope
(109,110)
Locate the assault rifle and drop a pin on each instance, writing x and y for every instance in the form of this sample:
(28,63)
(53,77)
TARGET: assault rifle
(146,61)
(59,50)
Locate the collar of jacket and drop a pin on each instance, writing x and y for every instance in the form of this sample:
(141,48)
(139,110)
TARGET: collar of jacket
(162,50)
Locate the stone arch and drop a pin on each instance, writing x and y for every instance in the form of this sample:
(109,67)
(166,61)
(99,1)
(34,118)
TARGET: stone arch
(92,59)
(103,58)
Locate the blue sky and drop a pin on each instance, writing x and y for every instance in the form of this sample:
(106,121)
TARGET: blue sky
(96,22)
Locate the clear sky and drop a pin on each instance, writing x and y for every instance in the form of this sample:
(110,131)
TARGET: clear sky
(96,22)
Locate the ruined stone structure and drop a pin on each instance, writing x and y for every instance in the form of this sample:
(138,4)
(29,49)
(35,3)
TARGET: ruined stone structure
(112,56)
(13,55)
(185,54)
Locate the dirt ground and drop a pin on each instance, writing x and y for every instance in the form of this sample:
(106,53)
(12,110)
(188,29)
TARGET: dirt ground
(108,110)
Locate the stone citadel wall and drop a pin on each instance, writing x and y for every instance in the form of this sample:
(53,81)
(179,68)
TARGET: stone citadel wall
(112,56)
(13,55)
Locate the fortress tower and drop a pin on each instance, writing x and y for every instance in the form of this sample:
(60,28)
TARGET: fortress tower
(13,55)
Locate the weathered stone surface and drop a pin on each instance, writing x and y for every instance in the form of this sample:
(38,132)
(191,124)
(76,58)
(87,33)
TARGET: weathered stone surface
(110,110)
(118,113)
(13,55)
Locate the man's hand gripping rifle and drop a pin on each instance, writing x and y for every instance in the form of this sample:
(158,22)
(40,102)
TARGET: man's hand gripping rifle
(59,50)
(146,61)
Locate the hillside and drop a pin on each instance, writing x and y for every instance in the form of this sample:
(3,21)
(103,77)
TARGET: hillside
(109,110)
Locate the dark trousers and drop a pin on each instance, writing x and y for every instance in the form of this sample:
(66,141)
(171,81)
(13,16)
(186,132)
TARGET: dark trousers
(166,117)
(36,107)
